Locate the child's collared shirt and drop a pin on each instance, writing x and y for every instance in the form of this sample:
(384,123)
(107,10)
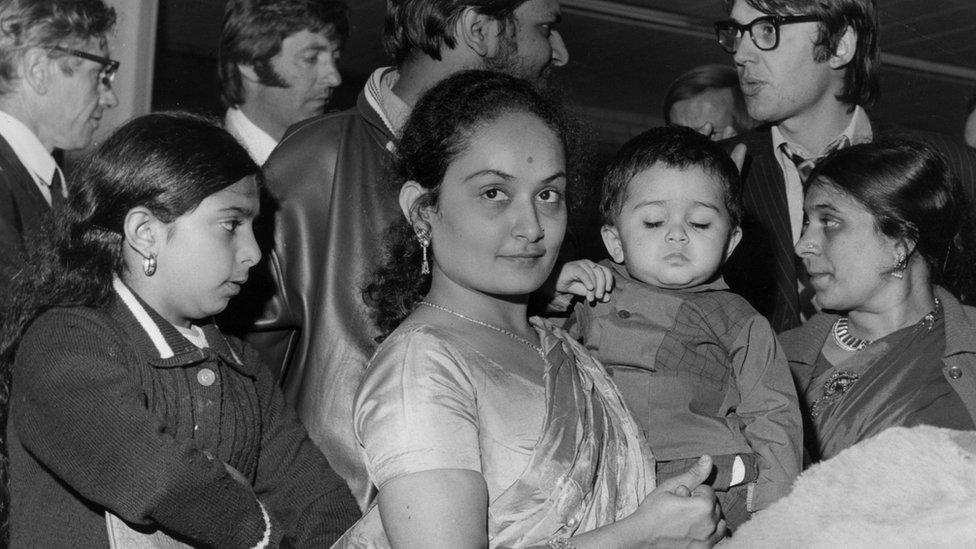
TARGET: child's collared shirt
(702,372)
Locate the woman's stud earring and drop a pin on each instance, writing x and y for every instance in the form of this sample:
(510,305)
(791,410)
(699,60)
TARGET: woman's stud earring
(149,265)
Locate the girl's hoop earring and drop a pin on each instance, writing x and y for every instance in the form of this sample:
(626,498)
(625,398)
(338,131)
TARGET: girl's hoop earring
(423,238)
(149,265)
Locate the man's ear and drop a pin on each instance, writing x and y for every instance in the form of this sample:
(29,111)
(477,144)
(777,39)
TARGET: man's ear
(248,73)
(411,194)
(477,31)
(611,239)
(36,68)
(846,47)
(734,238)
(142,231)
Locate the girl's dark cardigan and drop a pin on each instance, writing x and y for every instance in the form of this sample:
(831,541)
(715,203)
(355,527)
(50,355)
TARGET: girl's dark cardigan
(111,410)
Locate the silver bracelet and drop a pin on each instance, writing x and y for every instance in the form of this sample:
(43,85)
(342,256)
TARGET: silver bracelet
(559,543)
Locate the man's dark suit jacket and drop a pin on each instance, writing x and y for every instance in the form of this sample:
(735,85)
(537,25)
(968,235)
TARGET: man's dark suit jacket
(763,268)
(22,206)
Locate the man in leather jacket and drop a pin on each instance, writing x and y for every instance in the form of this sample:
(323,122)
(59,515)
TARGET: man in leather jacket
(333,198)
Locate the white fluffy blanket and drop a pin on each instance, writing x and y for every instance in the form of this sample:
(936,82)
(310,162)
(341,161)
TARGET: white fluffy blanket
(903,488)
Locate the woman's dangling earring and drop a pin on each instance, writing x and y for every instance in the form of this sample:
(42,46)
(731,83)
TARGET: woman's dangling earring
(900,266)
(424,238)
(149,265)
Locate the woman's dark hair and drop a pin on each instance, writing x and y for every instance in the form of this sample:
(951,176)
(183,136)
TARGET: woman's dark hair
(440,129)
(908,188)
(166,162)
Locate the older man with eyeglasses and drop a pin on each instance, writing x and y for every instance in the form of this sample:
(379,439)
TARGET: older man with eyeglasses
(55,83)
(807,70)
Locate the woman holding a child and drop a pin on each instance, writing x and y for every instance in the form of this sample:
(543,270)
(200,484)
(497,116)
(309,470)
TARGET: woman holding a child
(481,428)
(888,247)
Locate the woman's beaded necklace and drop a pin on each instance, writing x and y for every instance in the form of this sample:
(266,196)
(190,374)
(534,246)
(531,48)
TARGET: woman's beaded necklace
(848,342)
(510,334)
(844,339)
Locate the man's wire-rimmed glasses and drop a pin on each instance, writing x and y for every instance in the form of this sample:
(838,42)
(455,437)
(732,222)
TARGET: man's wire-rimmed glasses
(109,66)
(764,30)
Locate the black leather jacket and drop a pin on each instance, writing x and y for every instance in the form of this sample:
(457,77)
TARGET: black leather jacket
(333,197)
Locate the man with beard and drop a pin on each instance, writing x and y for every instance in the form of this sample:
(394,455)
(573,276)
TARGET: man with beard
(334,198)
(277,64)
(809,71)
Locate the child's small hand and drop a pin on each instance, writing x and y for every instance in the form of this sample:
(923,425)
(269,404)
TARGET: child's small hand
(585,279)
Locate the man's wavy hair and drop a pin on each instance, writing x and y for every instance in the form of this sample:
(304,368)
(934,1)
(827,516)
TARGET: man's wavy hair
(428,25)
(26,24)
(254,30)
(861,76)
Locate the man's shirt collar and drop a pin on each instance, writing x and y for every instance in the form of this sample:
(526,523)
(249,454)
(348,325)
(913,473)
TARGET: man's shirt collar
(858,130)
(379,93)
(258,142)
(28,148)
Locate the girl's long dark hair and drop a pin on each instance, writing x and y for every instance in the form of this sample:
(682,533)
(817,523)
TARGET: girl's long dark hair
(911,193)
(440,129)
(166,162)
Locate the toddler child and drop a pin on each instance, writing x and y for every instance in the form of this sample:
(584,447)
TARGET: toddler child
(700,369)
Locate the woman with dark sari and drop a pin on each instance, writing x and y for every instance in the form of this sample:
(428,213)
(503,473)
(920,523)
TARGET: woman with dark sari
(887,243)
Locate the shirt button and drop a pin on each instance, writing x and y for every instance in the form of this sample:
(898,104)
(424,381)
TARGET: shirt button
(571,522)
(206,377)
(955,372)
(623,313)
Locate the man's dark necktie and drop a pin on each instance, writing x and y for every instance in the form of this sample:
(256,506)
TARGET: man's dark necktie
(804,166)
(57,190)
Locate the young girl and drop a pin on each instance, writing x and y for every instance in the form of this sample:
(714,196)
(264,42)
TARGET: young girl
(479,427)
(130,413)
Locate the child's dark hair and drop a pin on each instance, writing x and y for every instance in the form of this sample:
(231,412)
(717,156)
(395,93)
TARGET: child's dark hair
(674,147)
(912,194)
(166,162)
(440,129)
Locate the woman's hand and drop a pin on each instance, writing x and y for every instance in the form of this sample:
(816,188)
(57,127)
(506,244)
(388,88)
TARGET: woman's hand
(680,512)
(683,512)
(586,279)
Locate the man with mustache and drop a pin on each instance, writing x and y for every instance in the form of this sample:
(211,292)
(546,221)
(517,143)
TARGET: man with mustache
(808,71)
(334,199)
(277,64)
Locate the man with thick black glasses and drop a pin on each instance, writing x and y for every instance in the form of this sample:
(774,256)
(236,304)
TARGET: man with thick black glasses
(55,83)
(808,71)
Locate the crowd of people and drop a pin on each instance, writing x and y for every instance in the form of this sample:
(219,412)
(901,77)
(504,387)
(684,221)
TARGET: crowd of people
(365,328)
